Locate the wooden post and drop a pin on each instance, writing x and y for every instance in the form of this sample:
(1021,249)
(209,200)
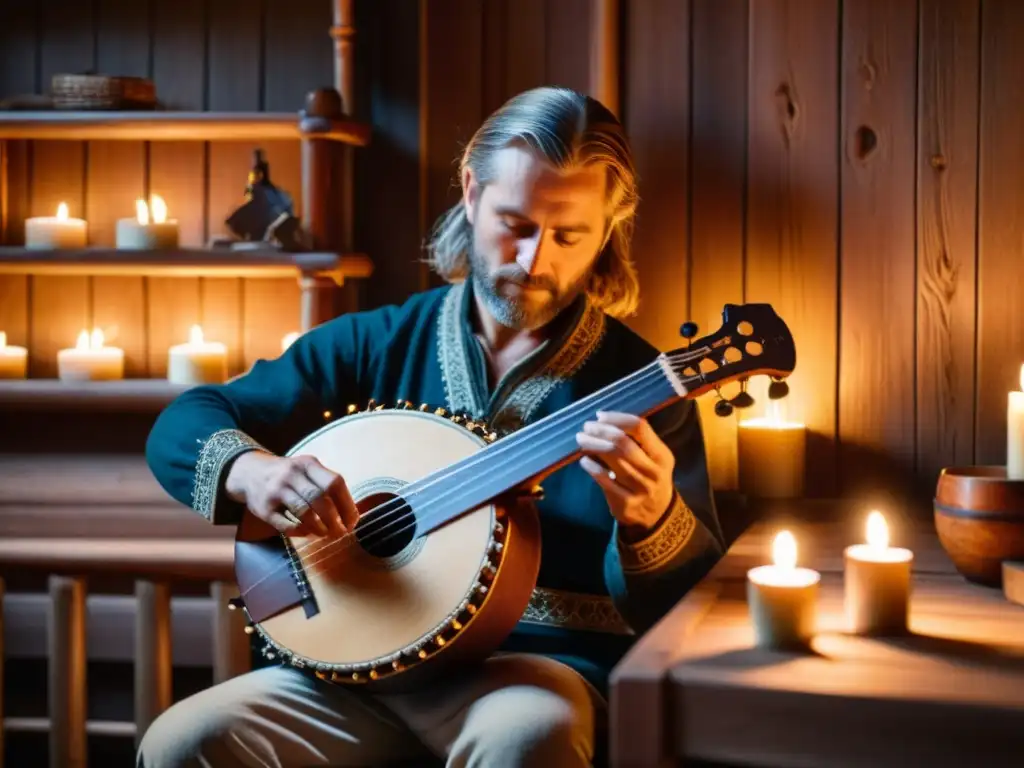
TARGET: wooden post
(153,662)
(231,649)
(318,293)
(604,54)
(68,746)
(343,32)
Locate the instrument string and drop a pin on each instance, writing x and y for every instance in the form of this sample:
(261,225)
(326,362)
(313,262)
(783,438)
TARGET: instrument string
(649,376)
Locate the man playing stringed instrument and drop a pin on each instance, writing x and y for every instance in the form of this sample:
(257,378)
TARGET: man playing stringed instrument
(536,256)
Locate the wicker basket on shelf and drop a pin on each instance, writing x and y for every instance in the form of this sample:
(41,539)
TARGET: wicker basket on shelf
(90,91)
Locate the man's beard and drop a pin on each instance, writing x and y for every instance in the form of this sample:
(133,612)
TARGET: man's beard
(527,311)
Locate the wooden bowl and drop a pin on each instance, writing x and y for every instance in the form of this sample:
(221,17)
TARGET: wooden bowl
(979,516)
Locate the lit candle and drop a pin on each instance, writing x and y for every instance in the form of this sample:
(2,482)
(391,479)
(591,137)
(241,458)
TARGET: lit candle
(877,582)
(90,359)
(770,456)
(782,598)
(145,232)
(13,360)
(288,340)
(55,232)
(197,361)
(1015,433)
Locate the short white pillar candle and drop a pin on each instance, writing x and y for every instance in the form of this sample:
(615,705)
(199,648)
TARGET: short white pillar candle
(197,361)
(782,598)
(49,233)
(90,359)
(146,232)
(13,360)
(876,589)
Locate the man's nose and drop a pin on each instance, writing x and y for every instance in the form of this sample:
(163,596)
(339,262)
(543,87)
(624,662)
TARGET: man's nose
(528,254)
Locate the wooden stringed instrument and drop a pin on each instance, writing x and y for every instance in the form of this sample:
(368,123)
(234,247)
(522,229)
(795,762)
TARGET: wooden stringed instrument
(445,557)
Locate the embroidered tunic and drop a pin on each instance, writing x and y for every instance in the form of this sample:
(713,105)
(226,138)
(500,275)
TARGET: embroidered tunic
(595,592)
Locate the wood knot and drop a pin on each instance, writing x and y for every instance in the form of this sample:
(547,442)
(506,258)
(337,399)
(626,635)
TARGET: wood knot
(867,72)
(788,110)
(939,162)
(865,142)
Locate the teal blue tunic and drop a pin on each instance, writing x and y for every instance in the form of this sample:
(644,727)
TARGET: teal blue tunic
(595,593)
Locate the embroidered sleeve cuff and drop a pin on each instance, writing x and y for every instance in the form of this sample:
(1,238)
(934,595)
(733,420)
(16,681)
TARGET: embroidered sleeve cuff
(663,544)
(215,453)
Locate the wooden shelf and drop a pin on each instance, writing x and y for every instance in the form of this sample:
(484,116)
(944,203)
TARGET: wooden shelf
(179,126)
(199,262)
(125,396)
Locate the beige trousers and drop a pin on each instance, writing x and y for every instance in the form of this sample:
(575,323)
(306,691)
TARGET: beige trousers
(517,710)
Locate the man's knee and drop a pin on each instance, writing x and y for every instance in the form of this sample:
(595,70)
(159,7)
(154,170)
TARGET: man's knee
(526,726)
(196,730)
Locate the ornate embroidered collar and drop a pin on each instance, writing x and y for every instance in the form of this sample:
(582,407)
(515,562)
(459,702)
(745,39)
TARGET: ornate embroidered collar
(522,389)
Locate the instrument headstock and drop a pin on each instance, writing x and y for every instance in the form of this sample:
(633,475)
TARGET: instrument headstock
(752,341)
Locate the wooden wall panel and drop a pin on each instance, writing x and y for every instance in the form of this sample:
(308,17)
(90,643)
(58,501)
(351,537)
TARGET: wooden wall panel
(792,227)
(719,176)
(656,108)
(1000,224)
(877,296)
(947,166)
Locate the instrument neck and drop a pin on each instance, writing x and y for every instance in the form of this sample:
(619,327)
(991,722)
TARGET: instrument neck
(534,451)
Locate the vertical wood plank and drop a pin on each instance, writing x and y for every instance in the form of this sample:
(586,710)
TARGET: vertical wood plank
(657,116)
(877,330)
(177,170)
(388,215)
(567,40)
(1000,225)
(236,50)
(18,33)
(792,223)
(292,69)
(492,54)
(947,161)
(526,45)
(718,149)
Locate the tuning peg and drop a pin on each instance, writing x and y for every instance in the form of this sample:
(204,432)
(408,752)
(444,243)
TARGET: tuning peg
(723,408)
(778,389)
(742,400)
(688,330)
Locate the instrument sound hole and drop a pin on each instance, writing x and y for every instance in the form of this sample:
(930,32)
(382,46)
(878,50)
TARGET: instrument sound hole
(387,524)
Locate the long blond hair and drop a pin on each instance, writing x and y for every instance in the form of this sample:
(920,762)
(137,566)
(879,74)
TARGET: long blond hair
(568,129)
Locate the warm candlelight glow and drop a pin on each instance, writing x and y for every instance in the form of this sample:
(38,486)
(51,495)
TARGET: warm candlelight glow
(13,360)
(90,359)
(141,212)
(62,212)
(197,361)
(784,551)
(1022,378)
(195,335)
(159,209)
(877,531)
(774,418)
(3,339)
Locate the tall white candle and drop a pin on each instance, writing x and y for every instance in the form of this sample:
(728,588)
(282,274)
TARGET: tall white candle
(13,360)
(771,452)
(197,361)
(782,598)
(90,359)
(55,232)
(1015,433)
(876,589)
(146,232)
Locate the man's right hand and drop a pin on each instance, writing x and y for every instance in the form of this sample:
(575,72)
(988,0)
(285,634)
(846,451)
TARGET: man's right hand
(297,495)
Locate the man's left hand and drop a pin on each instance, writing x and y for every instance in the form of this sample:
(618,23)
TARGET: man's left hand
(634,471)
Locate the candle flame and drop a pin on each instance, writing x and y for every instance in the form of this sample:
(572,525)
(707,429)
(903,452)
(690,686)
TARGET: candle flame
(94,340)
(159,208)
(877,531)
(288,340)
(784,550)
(3,339)
(1022,378)
(62,211)
(141,212)
(195,335)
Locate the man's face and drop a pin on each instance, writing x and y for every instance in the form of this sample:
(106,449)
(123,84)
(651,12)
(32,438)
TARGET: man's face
(536,234)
